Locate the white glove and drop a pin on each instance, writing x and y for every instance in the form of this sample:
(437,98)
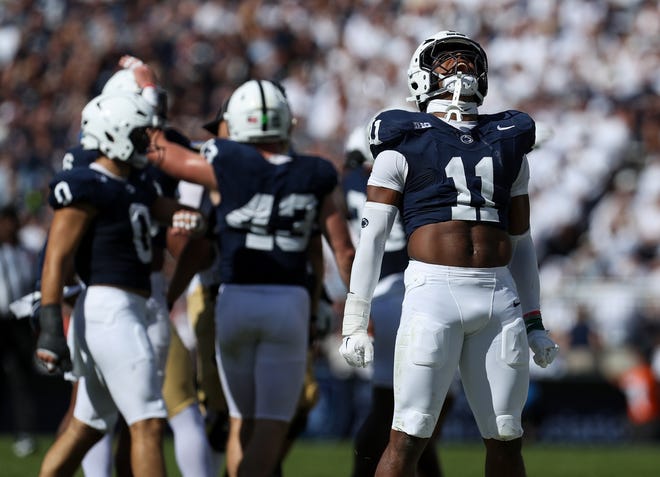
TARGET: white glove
(545,350)
(357,349)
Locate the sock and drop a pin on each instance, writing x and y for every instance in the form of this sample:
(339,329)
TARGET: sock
(191,448)
(98,460)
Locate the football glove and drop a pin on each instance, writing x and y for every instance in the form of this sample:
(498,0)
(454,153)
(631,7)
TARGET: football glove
(545,350)
(188,222)
(357,349)
(52,342)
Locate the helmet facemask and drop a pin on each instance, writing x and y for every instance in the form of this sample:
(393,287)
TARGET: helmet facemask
(448,62)
(465,64)
(141,141)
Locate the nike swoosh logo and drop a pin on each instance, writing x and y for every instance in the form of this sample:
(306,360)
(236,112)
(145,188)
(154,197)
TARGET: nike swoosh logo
(504,128)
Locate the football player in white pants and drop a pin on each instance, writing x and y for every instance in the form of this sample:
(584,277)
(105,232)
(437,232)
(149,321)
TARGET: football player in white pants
(193,454)
(472,295)
(101,232)
(372,437)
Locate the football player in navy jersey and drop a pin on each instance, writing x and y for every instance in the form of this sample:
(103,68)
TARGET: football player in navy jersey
(192,451)
(271,201)
(372,437)
(459,180)
(101,231)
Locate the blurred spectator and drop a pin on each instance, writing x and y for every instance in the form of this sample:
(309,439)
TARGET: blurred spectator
(16,337)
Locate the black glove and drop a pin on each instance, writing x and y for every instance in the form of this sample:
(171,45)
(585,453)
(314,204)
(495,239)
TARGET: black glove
(52,341)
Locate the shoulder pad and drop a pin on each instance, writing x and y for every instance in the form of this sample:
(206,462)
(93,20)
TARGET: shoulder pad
(510,123)
(389,128)
(80,184)
(78,157)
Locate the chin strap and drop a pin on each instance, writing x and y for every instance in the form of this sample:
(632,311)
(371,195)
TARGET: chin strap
(450,107)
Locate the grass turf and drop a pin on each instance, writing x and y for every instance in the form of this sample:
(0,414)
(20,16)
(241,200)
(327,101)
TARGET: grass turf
(333,459)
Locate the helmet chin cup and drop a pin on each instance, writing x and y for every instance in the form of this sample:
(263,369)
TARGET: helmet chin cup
(469,86)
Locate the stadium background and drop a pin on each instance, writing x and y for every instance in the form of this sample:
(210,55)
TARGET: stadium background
(588,71)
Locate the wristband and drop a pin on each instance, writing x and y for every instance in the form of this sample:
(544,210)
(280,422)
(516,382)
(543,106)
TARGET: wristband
(356,314)
(533,321)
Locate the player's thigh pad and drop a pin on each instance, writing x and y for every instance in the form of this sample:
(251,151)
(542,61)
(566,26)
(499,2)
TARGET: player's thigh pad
(102,413)
(262,348)
(495,367)
(120,353)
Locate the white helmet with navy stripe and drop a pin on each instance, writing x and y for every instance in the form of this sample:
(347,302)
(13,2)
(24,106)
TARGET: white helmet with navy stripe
(426,79)
(258,112)
(116,124)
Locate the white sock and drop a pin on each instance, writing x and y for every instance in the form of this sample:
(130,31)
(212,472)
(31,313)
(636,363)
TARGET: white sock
(191,448)
(98,460)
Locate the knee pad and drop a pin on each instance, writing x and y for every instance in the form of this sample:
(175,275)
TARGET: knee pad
(414,423)
(508,428)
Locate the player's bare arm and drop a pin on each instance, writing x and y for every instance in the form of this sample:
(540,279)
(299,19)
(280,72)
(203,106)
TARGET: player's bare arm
(67,229)
(180,162)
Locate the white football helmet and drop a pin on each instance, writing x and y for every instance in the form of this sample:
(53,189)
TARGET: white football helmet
(124,81)
(356,149)
(258,111)
(116,124)
(426,82)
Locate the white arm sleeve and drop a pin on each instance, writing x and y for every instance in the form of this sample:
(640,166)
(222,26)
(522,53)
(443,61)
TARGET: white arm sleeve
(520,185)
(377,221)
(525,272)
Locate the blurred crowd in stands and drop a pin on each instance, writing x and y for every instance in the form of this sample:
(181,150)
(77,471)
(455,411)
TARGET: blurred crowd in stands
(587,70)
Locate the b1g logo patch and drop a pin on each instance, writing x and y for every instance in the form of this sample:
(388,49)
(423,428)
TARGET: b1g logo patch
(364,222)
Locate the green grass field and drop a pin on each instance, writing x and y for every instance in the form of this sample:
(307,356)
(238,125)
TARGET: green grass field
(333,459)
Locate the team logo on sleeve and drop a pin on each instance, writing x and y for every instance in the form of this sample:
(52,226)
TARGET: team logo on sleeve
(466,139)
(364,222)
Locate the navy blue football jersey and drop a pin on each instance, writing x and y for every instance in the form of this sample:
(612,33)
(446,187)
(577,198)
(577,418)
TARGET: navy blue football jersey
(117,248)
(455,174)
(267,213)
(166,185)
(354,184)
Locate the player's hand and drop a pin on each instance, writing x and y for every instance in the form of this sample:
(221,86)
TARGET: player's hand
(545,350)
(357,349)
(52,349)
(130,62)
